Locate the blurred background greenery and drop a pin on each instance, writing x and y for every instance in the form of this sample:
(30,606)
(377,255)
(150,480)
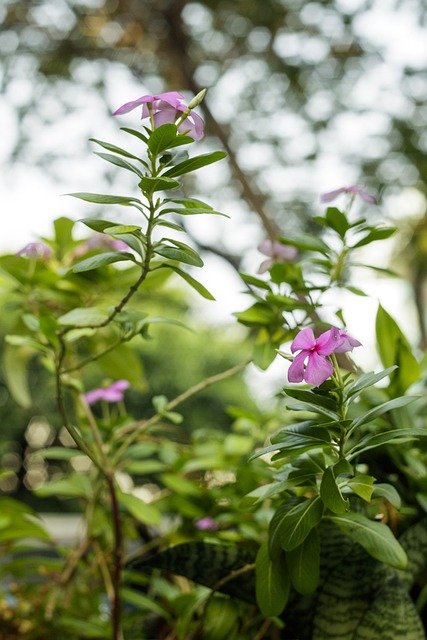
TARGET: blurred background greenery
(304,97)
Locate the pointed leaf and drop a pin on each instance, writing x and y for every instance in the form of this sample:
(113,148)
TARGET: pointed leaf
(192,282)
(99,198)
(374,537)
(272,582)
(140,510)
(119,162)
(303,563)
(101,260)
(195,163)
(331,493)
(299,521)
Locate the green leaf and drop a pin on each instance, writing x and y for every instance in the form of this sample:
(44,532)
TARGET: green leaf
(192,282)
(394,436)
(143,602)
(84,316)
(194,163)
(137,134)
(141,511)
(299,521)
(304,564)
(149,185)
(379,410)
(59,453)
(374,537)
(74,486)
(337,221)
(15,366)
(119,162)
(362,486)
(306,242)
(98,225)
(259,314)
(99,198)
(272,582)
(114,149)
(366,380)
(387,491)
(331,493)
(162,138)
(101,260)
(181,252)
(394,349)
(373,235)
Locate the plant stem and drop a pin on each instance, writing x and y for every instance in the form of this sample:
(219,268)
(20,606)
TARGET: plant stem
(116,604)
(137,428)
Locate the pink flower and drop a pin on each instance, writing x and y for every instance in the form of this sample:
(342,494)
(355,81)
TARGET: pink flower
(206,524)
(353,189)
(315,352)
(167,108)
(99,241)
(113,393)
(35,250)
(277,252)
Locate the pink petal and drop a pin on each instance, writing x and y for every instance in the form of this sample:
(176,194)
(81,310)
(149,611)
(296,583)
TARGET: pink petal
(318,369)
(128,106)
(266,247)
(265,265)
(331,195)
(93,396)
(296,370)
(195,126)
(174,98)
(165,115)
(328,342)
(304,340)
(348,343)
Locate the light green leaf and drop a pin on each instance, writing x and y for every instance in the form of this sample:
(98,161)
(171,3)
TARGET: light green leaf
(181,253)
(84,316)
(362,486)
(101,260)
(141,511)
(162,138)
(374,537)
(15,366)
(387,491)
(192,282)
(272,582)
(74,486)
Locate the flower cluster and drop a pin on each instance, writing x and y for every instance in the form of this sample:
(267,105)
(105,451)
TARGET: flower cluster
(167,108)
(311,363)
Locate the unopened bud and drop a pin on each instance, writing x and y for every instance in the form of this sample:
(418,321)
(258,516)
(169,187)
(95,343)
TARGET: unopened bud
(197,99)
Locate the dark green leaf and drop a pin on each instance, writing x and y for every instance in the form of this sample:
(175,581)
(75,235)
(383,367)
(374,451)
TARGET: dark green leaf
(150,185)
(181,252)
(374,537)
(119,162)
(194,163)
(337,221)
(99,198)
(162,138)
(299,521)
(272,582)
(303,563)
